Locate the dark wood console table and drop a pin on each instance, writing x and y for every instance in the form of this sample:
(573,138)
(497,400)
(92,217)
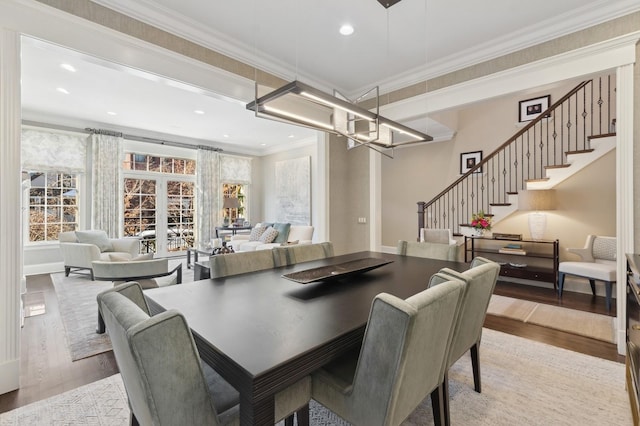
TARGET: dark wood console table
(538,263)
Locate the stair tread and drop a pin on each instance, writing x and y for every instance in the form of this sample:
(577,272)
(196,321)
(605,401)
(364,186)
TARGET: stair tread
(604,135)
(558,166)
(580,151)
(512,192)
(499,204)
(537,180)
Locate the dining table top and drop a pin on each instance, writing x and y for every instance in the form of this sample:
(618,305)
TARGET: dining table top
(262,331)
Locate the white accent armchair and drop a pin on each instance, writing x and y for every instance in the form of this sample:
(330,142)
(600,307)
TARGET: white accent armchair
(598,264)
(80,248)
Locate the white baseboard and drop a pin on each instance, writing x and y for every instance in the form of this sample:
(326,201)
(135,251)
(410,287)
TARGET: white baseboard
(44,268)
(9,376)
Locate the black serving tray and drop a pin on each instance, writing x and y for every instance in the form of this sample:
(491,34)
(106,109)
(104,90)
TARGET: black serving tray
(336,272)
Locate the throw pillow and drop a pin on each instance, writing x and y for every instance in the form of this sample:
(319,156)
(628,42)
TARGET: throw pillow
(98,238)
(283,232)
(268,236)
(141,257)
(256,233)
(114,257)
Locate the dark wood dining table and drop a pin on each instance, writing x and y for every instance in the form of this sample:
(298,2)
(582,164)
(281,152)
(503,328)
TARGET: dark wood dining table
(263,332)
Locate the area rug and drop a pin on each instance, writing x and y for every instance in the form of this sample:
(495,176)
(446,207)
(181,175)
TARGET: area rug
(511,308)
(79,311)
(588,324)
(523,383)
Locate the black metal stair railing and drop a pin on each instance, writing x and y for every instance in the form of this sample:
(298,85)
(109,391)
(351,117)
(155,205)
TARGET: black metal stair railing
(565,127)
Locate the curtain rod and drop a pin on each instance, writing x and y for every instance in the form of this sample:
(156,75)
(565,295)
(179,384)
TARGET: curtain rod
(151,140)
(120,134)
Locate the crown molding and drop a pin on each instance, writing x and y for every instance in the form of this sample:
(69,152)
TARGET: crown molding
(595,13)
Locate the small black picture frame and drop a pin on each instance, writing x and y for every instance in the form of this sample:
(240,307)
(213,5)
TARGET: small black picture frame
(531,108)
(469,160)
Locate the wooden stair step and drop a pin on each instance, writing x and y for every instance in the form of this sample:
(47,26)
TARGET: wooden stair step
(499,204)
(537,180)
(558,166)
(580,151)
(604,135)
(512,192)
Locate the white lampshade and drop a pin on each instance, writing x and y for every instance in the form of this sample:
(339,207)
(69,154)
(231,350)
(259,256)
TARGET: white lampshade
(537,200)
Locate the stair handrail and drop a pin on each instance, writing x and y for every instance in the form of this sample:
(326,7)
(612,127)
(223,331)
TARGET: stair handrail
(512,139)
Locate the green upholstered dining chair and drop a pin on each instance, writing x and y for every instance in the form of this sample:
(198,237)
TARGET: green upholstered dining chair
(402,359)
(426,249)
(297,253)
(479,280)
(241,263)
(165,380)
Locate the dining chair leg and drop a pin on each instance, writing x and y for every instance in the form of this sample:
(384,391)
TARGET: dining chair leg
(303,416)
(475,364)
(437,405)
(607,288)
(592,283)
(101,327)
(445,400)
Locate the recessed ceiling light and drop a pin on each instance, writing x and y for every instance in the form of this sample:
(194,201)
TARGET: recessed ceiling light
(225,136)
(68,67)
(263,144)
(292,136)
(199,111)
(346,29)
(112,113)
(62,90)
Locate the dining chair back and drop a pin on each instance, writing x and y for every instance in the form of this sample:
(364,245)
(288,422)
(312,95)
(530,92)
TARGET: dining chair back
(158,362)
(402,359)
(225,265)
(298,253)
(165,380)
(429,250)
(479,282)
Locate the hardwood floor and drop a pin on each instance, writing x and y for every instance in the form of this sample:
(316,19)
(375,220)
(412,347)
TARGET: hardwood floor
(47,369)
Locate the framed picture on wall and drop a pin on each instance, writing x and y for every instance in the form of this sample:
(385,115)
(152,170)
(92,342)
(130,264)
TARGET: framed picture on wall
(531,108)
(468,161)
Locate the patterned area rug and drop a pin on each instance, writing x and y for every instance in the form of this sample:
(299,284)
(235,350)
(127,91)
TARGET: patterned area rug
(523,383)
(595,326)
(79,311)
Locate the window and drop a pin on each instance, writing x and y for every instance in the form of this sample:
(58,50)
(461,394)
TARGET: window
(231,190)
(152,163)
(53,205)
(159,202)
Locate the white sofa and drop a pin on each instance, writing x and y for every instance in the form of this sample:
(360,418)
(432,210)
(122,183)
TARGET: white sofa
(298,234)
(81,248)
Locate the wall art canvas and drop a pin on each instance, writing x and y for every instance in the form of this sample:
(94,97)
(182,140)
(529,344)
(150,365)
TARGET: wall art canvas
(293,191)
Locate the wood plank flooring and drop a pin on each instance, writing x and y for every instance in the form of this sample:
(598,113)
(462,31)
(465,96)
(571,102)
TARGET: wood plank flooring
(47,369)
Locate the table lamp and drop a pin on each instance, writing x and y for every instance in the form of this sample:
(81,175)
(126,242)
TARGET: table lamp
(230,203)
(537,201)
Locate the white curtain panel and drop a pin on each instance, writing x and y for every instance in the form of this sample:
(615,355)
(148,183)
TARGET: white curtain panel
(207,194)
(108,154)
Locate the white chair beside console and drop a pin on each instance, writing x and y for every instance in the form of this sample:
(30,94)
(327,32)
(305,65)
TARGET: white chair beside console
(598,264)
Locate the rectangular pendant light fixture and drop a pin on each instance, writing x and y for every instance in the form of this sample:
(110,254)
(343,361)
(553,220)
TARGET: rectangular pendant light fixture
(300,104)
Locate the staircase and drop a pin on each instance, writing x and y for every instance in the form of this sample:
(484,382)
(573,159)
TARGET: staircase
(571,134)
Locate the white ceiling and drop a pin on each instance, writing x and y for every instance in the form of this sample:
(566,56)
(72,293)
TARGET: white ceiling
(392,48)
